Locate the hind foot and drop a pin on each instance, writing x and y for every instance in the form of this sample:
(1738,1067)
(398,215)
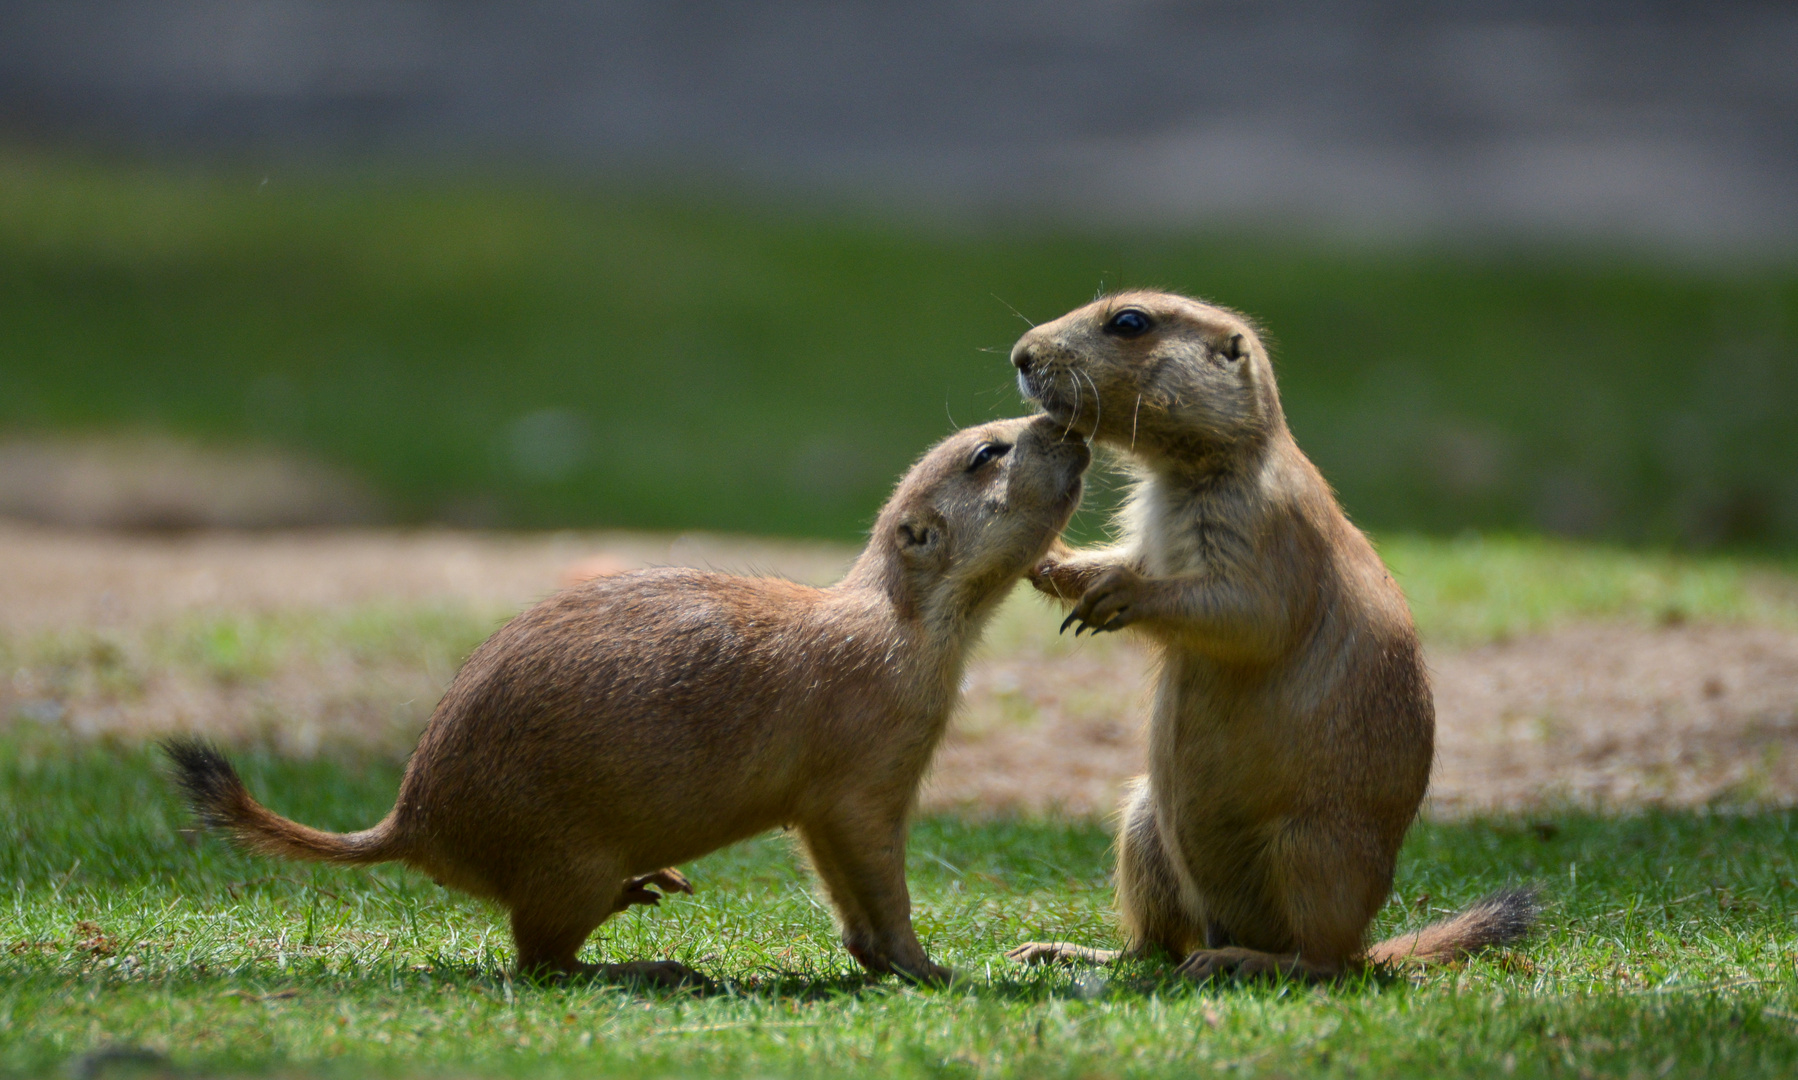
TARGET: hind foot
(1207,964)
(637,891)
(916,967)
(1060,952)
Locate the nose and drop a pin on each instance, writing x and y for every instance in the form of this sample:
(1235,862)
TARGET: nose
(1023,357)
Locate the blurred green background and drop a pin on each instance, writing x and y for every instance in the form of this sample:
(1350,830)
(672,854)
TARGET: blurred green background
(531,352)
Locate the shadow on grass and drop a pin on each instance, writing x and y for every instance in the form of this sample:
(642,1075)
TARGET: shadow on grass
(1129,979)
(103,841)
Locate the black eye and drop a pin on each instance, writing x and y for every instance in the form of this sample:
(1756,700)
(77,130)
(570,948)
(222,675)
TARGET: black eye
(987,452)
(1128,323)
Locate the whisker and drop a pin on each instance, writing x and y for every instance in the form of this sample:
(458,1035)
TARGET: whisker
(1098,402)
(1134,416)
(1014,311)
(1075,415)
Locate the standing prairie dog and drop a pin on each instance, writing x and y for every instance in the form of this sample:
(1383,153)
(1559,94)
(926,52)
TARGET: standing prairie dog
(644,719)
(1293,727)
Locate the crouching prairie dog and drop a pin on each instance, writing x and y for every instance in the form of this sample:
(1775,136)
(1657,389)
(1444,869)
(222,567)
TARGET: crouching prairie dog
(643,719)
(1293,728)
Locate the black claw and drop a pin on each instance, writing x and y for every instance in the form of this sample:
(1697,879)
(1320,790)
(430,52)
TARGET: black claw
(1067,622)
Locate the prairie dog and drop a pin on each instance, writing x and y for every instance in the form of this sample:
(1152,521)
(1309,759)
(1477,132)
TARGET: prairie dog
(1293,727)
(643,719)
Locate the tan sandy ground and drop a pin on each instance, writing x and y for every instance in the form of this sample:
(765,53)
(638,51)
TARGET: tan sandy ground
(135,635)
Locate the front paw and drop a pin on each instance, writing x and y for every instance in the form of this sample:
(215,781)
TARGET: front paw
(637,890)
(1111,603)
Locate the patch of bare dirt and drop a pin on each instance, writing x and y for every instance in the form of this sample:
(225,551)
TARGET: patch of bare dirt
(1612,715)
(1047,725)
(1619,715)
(1596,715)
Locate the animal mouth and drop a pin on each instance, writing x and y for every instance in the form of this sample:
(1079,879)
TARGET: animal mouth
(1065,403)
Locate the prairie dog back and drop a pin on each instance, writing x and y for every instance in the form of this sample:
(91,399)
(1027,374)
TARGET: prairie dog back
(640,720)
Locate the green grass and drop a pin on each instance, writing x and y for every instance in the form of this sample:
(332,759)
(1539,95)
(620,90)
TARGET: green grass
(1667,949)
(530,352)
(1476,589)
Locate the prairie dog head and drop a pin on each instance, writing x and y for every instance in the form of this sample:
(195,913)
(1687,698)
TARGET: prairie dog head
(976,511)
(1155,373)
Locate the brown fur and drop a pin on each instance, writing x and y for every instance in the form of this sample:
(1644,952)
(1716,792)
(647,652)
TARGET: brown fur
(1293,726)
(643,719)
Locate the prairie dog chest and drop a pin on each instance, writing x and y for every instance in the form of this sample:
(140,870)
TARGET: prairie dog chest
(1185,531)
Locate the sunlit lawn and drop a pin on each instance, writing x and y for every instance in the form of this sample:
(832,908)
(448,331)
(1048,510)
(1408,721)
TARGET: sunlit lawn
(1667,948)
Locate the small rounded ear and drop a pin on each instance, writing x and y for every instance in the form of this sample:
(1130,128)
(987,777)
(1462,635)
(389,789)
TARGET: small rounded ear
(920,535)
(1235,348)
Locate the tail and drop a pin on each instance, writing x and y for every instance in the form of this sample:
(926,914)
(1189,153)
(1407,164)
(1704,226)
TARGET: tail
(220,801)
(1498,919)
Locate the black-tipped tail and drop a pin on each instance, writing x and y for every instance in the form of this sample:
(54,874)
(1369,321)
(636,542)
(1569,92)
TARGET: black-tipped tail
(206,777)
(220,801)
(1502,918)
